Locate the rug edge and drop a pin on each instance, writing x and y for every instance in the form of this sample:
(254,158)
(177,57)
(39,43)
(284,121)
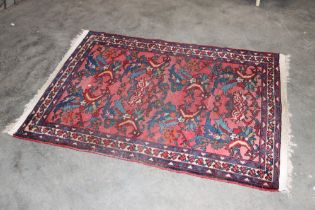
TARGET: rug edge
(16,124)
(286,151)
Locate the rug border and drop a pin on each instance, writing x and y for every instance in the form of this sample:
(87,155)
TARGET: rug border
(149,165)
(28,108)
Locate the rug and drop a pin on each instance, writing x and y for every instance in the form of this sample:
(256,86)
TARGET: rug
(212,112)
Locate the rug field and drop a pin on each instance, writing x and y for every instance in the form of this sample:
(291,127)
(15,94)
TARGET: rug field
(216,113)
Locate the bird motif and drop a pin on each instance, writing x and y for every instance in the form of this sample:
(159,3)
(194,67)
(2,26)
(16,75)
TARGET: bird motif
(71,101)
(154,64)
(91,98)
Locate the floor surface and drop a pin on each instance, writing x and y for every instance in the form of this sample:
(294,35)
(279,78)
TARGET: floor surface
(34,35)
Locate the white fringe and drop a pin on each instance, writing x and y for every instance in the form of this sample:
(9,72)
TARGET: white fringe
(286,150)
(13,127)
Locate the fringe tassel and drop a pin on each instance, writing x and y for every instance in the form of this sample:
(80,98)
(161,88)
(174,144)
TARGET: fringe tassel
(286,150)
(13,127)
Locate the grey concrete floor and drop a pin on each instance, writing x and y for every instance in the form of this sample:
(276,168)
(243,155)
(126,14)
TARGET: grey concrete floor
(37,176)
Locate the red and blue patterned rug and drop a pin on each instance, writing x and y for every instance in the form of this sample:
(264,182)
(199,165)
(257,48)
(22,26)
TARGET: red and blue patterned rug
(201,110)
